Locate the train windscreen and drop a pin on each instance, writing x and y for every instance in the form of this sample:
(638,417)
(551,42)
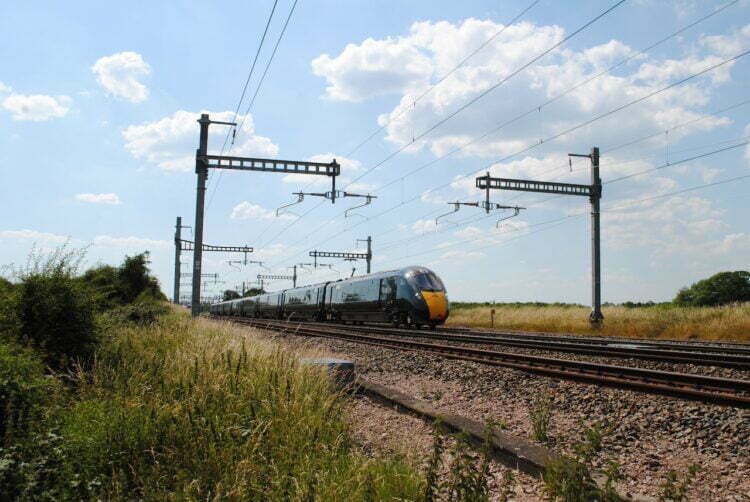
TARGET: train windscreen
(427,281)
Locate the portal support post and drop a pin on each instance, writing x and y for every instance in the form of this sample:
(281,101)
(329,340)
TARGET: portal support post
(177,252)
(596,316)
(201,170)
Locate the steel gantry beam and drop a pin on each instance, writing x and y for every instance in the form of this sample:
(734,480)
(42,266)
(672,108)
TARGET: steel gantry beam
(190,246)
(534,186)
(347,255)
(204,162)
(592,191)
(275,277)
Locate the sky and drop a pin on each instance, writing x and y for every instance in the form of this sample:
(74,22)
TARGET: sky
(98,132)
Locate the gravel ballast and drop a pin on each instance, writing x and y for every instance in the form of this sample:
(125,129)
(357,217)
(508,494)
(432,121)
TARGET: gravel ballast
(650,435)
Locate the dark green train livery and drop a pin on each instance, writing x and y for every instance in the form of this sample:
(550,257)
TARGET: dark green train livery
(411,296)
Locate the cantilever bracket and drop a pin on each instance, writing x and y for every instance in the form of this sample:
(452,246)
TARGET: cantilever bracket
(456,206)
(368,200)
(300,198)
(516,212)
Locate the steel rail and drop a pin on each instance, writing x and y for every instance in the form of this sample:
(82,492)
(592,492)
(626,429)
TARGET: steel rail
(692,355)
(698,346)
(723,391)
(702,356)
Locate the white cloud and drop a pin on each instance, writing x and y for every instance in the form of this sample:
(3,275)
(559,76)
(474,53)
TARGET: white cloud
(247,211)
(4,89)
(272,252)
(372,68)
(727,45)
(673,229)
(421,227)
(357,74)
(36,107)
(33,235)
(130,242)
(98,198)
(119,75)
(170,142)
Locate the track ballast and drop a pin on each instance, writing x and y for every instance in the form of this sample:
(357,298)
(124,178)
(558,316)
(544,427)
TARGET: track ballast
(724,391)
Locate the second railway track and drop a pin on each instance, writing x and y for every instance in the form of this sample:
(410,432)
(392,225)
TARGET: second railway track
(623,348)
(724,391)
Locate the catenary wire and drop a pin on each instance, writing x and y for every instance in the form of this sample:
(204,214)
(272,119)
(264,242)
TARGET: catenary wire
(472,101)
(257,89)
(571,129)
(538,107)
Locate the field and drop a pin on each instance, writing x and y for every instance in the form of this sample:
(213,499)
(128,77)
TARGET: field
(728,323)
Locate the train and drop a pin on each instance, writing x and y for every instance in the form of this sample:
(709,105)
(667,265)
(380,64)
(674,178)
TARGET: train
(410,297)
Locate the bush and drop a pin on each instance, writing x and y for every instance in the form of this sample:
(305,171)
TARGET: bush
(140,313)
(24,392)
(116,286)
(52,310)
(134,279)
(719,289)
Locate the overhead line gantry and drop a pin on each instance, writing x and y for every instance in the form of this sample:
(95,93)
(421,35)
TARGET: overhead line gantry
(592,191)
(347,255)
(204,162)
(181,245)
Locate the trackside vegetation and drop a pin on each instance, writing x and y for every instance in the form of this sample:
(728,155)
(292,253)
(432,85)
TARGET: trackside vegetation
(129,399)
(716,308)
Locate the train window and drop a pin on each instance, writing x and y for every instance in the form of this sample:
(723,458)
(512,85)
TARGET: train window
(427,281)
(388,289)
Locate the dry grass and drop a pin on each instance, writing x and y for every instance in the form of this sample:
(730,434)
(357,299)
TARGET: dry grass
(728,323)
(186,410)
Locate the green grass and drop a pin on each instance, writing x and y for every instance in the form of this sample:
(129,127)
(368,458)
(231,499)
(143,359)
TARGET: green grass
(185,410)
(189,410)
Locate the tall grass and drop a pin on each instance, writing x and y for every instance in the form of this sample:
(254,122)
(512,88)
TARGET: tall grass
(181,410)
(729,322)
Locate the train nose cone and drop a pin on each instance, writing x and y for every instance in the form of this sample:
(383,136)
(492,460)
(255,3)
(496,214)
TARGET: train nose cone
(437,304)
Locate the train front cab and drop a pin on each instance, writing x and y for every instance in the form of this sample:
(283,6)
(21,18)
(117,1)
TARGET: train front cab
(421,297)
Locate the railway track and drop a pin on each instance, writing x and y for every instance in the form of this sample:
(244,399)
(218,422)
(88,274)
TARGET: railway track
(622,348)
(677,345)
(724,391)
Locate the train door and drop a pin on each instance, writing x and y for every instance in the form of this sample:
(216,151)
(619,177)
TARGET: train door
(388,305)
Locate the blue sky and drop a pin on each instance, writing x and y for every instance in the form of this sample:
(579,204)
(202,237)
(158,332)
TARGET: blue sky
(98,104)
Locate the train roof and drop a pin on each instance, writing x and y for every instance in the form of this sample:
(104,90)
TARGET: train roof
(376,275)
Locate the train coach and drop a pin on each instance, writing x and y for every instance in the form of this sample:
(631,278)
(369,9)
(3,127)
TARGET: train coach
(411,297)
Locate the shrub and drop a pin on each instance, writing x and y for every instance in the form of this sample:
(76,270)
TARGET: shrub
(134,278)
(24,392)
(53,310)
(719,289)
(140,313)
(230,294)
(130,282)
